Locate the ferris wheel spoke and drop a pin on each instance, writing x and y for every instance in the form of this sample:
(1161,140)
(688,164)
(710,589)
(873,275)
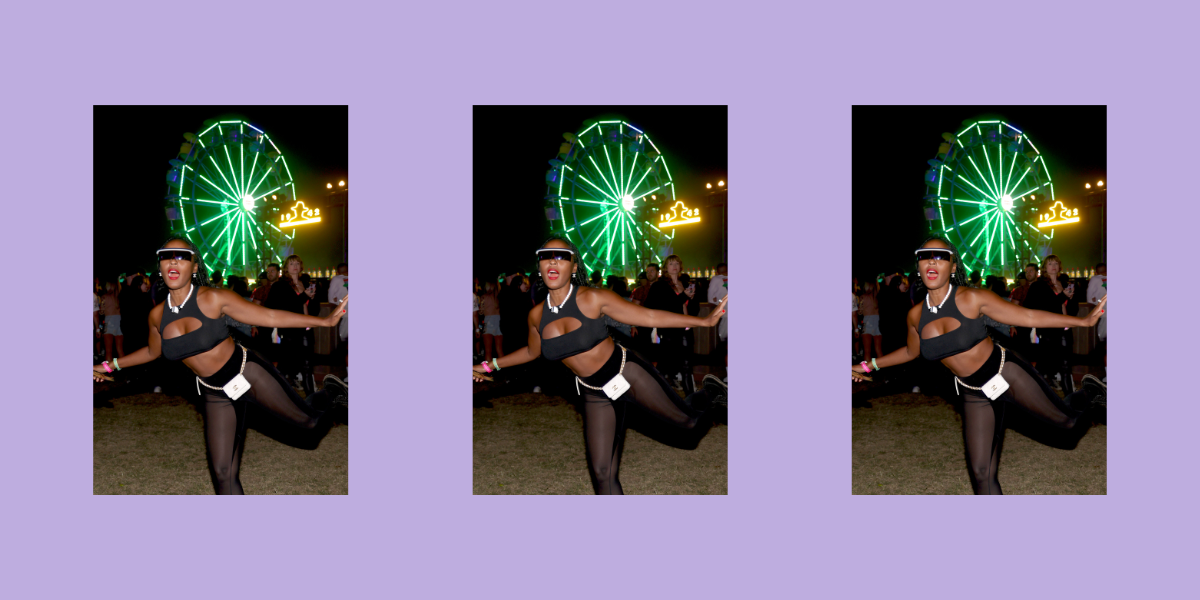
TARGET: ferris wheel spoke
(221,173)
(233,172)
(218,216)
(639,183)
(266,172)
(604,179)
(598,216)
(982,179)
(207,201)
(987,222)
(1031,190)
(1011,167)
(992,173)
(597,188)
(968,182)
(1022,178)
(632,169)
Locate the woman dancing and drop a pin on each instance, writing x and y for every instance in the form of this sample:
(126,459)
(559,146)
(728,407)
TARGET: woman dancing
(948,327)
(568,327)
(190,326)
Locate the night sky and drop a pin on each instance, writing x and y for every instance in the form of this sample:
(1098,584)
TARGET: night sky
(134,143)
(891,145)
(513,144)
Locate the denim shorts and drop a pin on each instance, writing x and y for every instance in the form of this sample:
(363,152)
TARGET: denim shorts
(112,325)
(491,325)
(871,325)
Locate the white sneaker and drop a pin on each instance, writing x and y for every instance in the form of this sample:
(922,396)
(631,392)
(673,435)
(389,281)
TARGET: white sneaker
(537,389)
(916,389)
(157,389)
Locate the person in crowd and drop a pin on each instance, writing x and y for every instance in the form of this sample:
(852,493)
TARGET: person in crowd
(999,331)
(261,289)
(669,293)
(290,293)
(638,295)
(217,281)
(1049,293)
(110,307)
(568,327)
(718,288)
(947,327)
(868,306)
(135,309)
(1097,289)
(1021,336)
(273,273)
(189,327)
(237,285)
(974,279)
(514,301)
(339,287)
(493,336)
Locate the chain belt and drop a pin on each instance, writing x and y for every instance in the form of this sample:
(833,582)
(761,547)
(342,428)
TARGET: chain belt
(213,387)
(958,381)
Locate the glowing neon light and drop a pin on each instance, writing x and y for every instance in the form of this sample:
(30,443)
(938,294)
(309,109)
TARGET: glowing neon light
(1058,214)
(300,215)
(679,215)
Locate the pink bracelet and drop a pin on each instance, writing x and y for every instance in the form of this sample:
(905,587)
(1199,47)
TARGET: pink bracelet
(865,366)
(486,367)
(106,367)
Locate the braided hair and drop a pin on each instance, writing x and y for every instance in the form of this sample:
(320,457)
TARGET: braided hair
(958,277)
(578,277)
(199,278)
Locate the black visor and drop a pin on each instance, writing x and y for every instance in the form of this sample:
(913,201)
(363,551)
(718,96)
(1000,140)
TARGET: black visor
(175,254)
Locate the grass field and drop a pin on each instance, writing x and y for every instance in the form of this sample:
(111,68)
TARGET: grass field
(534,444)
(913,444)
(154,444)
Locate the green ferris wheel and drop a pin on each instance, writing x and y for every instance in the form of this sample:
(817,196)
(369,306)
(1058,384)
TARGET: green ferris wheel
(224,190)
(603,193)
(981,191)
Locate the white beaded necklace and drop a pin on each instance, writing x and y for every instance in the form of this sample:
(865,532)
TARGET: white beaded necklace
(934,309)
(175,309)
(554,309)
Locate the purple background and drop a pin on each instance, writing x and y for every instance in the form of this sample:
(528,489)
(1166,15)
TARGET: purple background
(411,527)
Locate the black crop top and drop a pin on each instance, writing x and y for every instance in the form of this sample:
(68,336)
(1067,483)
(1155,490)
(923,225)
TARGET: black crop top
(588,336)
(969,333)
(210,333)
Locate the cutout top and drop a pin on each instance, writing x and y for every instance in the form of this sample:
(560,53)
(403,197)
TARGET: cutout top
(948,332)
(577,334)
(190,332)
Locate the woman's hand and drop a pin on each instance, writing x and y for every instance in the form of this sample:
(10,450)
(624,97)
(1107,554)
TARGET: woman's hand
(478,373)
(690,291)
(855,371)
(338,312)
(1094,316)
(100,374)
(715,316)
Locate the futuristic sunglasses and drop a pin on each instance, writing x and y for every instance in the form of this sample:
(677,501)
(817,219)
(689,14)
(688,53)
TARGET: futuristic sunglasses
(555,254)
(935,254)
(175,254)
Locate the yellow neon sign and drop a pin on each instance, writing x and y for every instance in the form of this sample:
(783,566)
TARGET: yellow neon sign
(300,215)
(1058,215)
(679,215)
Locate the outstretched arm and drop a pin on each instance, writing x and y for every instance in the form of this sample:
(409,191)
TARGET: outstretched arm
(995,307)
(631,314)
(142,355)
(523,355)
(900,356)
(253,314)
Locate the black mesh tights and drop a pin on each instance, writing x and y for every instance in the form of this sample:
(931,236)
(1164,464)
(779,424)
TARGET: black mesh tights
(650,391)
(983,419)
(225,422)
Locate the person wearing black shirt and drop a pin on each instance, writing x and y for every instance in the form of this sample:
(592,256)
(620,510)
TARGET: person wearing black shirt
(1050,294)
(672,294)
(291,295)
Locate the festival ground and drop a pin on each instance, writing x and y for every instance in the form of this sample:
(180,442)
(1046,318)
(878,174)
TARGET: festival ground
(913,444)
(534,444)
(154,444)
